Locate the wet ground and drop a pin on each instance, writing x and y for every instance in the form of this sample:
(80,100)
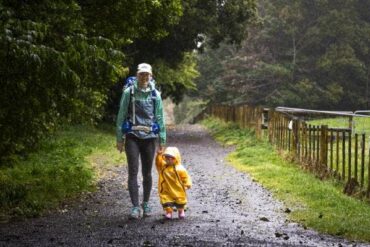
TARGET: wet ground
(226,208)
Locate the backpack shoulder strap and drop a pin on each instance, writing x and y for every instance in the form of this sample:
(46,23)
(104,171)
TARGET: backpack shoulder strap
(154,97)
(132,102)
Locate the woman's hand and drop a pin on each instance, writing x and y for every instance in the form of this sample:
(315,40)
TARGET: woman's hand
(120,146)
(160,149)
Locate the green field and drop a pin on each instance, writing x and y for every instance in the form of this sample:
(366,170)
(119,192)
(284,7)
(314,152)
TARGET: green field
(360,124)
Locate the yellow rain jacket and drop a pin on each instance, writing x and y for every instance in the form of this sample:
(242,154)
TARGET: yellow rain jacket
(173,180)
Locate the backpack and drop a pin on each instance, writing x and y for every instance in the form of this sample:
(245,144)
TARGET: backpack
(129,126)
(129,82)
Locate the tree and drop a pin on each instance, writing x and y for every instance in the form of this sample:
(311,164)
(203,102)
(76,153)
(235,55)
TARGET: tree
(201,24)
(51,71)
(60,59)
(303,53)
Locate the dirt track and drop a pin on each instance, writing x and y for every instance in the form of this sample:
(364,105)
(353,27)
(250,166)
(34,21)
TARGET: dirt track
(226,208)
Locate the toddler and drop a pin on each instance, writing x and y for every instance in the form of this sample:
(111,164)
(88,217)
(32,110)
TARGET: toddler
(173,181)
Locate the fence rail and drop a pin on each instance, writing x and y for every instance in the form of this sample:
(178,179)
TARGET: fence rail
(324,150)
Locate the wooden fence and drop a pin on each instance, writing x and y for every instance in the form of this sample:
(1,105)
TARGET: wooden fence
(324,150)
(244,116)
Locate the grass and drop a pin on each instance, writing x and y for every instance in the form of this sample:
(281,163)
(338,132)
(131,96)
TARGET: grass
(317,204)
(63,167)
(360,124)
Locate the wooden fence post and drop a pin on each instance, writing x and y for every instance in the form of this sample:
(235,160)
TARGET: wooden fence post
(270,124)
(309,144)
(323,148)
(349,156)
(343,155)
(259,116)
(295,136)
(331,150)
(350,122)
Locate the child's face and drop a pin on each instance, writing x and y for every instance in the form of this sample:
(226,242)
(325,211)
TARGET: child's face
(169,160)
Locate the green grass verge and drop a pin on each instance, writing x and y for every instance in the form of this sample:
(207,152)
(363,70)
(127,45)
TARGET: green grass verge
(317,204)
(61,168)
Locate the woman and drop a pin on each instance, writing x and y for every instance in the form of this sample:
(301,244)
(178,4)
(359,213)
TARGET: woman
(139,117)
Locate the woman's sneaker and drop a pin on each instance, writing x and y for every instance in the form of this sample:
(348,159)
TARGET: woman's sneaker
(181,214)
(135,213)
(147,211)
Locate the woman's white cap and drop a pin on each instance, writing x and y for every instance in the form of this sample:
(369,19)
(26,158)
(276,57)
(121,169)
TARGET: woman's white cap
(144,67)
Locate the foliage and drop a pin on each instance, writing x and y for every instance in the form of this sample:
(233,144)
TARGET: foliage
(177,80)
(188,109)
(201,24)
(64,60)
(58,170)
(125,22)
(320,205)
(51,71)
(303,53)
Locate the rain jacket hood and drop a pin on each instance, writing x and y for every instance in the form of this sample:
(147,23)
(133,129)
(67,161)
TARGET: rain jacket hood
(173,152)
(173,179)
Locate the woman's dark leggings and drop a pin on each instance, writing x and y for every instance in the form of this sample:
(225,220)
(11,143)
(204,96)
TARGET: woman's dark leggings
(145,149)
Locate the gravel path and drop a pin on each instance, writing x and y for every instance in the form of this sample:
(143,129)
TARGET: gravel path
(226,208)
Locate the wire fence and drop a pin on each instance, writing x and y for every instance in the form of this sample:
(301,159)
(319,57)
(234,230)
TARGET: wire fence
(327,151)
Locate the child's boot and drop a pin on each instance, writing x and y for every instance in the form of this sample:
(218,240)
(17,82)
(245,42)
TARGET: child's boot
(181,213)
(168,213)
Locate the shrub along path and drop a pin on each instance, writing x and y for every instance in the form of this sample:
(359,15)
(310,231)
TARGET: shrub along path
(226,208)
